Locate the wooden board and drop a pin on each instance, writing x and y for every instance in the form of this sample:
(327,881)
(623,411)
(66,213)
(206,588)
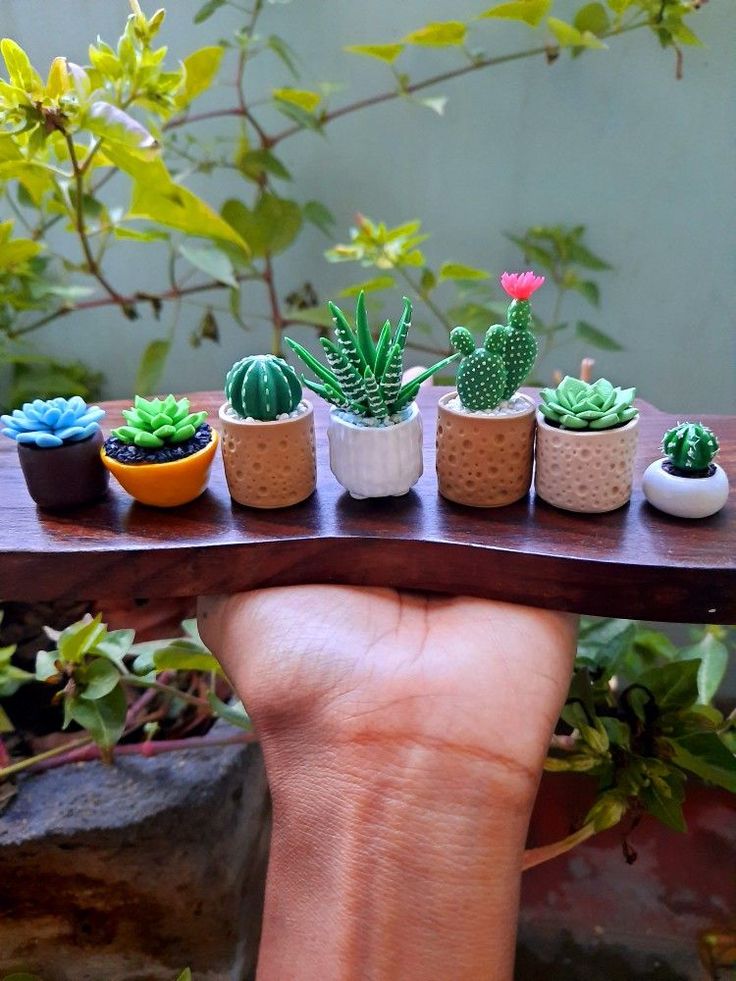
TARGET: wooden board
(635,562)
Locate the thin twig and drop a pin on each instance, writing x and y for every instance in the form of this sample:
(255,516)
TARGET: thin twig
(536,856)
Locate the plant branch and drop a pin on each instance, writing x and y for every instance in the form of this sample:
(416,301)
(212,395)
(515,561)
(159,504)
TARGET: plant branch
(8,771)
(424,296)
(166,690)
(545,853)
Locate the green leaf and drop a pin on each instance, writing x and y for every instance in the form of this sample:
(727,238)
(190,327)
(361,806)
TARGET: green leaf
(320,215)
(369,286)
(270,227)
(663,799)
(98,679)
(302,98)
(184,655)
(207,10)
(570,37)
(282,51)
(713,656)
(591,335)
(674,686)
(234,713)
(115,125)
(47,668)
(456,270)
(584,257)
(5,724)
(383,52)
(438,34)
(104,718)
(80,638)
(705,755)
(253,164)
(115,645)
(151,366)
(588,289)
(200,69)
(137,235)
(20,71)
(212,261)
(592,17)
(529,11)
(186,975)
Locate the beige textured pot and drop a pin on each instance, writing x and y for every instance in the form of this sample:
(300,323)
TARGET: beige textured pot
(484,461)
(269,464)
(590,471)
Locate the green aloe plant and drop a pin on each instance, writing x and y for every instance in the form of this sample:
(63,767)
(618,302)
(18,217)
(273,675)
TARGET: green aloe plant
(364,375)
(576,404)
(158,422)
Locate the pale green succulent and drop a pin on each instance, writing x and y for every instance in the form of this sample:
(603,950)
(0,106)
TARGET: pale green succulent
(576,404)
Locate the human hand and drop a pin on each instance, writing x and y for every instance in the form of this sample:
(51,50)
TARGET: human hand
(411,727)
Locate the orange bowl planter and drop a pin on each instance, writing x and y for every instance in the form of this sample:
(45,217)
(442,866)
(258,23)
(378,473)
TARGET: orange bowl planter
(165,485)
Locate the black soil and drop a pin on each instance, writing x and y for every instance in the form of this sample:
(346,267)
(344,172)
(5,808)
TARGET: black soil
(677,472)
(128,453)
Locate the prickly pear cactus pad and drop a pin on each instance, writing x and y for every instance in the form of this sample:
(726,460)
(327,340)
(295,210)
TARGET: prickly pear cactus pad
(263,387)
(158,431)
(690,447)
(363,374)
(492,374)
(53,422)
(576,404)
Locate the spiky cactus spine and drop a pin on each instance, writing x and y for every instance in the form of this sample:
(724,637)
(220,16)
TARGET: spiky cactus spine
(262,387)
(481,376)
(690,446)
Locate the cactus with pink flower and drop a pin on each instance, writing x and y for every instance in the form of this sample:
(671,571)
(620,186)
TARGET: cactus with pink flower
(492,374)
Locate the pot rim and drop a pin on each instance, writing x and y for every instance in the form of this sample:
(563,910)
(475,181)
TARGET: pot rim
(111,463)
(444,399)
(694,481)
(230,421)
(586,433)
(339,420)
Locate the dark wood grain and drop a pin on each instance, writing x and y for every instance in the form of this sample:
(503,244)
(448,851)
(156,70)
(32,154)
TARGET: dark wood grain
(635,562)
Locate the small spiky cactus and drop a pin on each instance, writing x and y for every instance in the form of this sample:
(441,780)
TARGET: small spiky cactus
(363,375)
(493,373)
(158,422)
(262,387)
(690,447)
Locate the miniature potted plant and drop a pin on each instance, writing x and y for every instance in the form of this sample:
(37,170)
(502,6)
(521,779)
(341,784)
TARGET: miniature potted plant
(268,434)
(485,430)
(163,455)
(686,482)
(375,430)
(59,444)
(586,443)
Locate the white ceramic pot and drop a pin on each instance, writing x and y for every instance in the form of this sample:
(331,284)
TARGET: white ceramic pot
(376,461)
(685,497)
(590,470)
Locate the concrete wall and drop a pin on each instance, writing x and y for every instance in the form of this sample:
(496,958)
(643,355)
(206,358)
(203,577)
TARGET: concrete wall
(610,140)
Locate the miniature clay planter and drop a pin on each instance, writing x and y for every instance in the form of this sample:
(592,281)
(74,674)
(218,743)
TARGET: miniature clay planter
(269,464)
(589,471)
(64,476)
(165,485)
(691,496)
(484,461)
(376,461)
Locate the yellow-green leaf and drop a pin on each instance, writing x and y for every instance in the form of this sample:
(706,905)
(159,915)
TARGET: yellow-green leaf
(438,34)
(58,82)
(682,33)
(200,69)
(570,37)
(456,270)
(151,366)
(17,252)
(383,52)
(112,123)
(592,17)
(298,97)
(529,11)
(20,71)
(370,286)
(270,227)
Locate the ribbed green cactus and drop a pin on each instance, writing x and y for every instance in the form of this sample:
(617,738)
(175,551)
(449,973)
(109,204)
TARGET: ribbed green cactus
(262,387)
(690,446)
(575,404)
(363,375)
(158,422)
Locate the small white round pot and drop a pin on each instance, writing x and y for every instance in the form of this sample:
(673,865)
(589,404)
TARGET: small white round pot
(376,461)
(685,497)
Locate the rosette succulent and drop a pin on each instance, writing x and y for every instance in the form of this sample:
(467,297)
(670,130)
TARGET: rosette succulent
(493,373)
(690,446)
(576,404)
(263,387)
(53,422)
(158,422)
(363,375)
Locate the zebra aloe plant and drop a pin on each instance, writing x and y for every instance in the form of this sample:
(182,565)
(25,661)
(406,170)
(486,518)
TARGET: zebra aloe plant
(363,376)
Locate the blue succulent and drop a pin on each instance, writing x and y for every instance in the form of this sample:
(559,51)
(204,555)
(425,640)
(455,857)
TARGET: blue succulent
(52,422)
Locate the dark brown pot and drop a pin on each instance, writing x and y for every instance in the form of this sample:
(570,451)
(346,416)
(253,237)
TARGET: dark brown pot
(65,476)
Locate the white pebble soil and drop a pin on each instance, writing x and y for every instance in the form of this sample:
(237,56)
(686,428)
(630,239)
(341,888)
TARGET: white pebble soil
(371,422)
(298,411)
(511,407)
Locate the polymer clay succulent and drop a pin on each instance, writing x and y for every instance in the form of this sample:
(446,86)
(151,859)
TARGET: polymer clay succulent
(687,483)
(58,444)
(163,454)
(364,375)
(576,404)
(52,422)
(690,447)
(263,387)
(492,374)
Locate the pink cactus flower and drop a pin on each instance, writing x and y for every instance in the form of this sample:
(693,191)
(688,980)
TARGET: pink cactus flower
(521,285)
